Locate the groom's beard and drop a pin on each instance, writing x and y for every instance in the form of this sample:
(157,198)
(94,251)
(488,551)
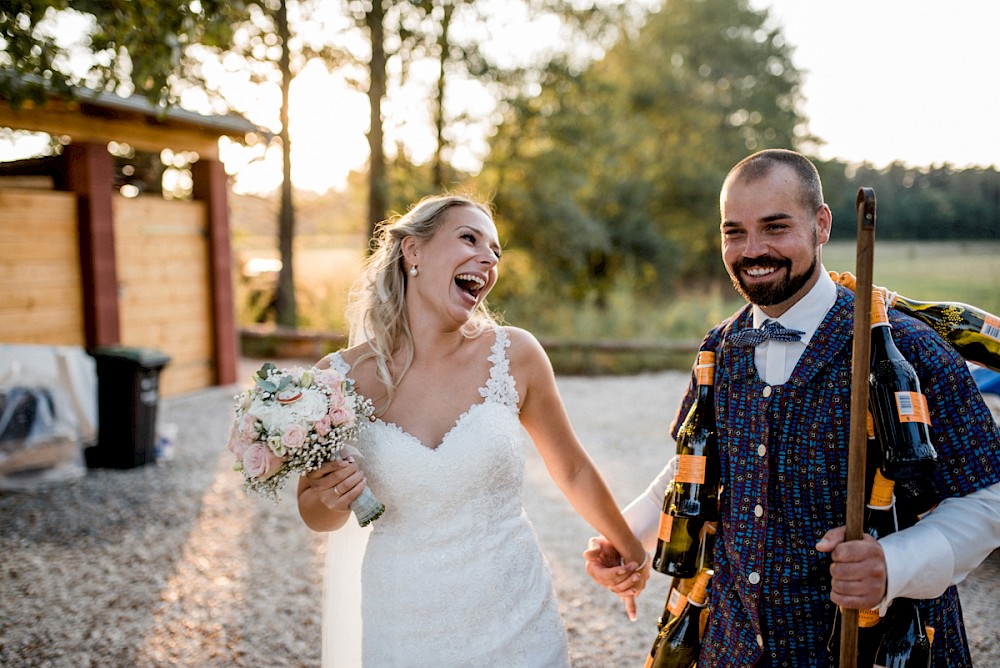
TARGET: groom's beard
(775,292)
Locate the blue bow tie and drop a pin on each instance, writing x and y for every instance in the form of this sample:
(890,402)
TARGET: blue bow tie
(771,330)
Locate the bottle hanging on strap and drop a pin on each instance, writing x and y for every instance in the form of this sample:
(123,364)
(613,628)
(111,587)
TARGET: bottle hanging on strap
(677,543)
(678,643)
(899,409)
(696,483)
(880,520)
(971,331)
(906,643)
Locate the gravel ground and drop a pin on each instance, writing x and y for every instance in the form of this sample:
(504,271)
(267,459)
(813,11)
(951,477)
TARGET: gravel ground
(170,565)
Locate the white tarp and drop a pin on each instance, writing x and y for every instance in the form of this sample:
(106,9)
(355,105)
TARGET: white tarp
(55,388)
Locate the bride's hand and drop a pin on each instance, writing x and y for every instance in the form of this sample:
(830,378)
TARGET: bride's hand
(337,483)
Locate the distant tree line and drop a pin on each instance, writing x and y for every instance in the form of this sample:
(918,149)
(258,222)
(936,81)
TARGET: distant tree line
(920,203)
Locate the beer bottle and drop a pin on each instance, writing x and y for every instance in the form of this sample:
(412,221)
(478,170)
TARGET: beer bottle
(899,409)
(696,483)
(677,543)
(971,331)
(906,643)
(678,643)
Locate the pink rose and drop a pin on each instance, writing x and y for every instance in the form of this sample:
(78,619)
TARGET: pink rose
(248,428)
(323,425)
(330,378)
(259,462)
(236,445)
(341,416)
(294,436)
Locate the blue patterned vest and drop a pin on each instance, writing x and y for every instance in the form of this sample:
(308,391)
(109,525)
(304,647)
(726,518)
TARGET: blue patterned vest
(784,472)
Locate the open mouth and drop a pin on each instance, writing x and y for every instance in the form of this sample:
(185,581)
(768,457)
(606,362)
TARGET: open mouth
(470,284)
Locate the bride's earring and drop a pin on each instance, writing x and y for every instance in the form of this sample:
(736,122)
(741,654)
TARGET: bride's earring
(413,271)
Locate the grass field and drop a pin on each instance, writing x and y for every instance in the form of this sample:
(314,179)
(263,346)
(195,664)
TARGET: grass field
(929,271)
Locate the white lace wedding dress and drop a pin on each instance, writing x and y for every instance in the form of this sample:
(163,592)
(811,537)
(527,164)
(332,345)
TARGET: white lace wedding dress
(453,575)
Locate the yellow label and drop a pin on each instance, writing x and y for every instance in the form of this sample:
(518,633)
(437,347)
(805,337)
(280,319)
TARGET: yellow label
(912,407)
(868,618)
(691,468)
(676,603)
(666,524)
(991,327)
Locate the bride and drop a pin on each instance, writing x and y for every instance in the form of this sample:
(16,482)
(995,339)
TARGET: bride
(452,573)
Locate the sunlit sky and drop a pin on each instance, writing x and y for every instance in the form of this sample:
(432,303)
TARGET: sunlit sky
(884,80)
(910,80)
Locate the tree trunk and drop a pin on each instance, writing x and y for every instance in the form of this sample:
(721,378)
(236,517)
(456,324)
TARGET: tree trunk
(377,185)
(285,307)
(443,56)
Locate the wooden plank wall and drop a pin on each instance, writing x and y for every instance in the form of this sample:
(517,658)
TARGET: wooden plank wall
(164,291)
(41,296)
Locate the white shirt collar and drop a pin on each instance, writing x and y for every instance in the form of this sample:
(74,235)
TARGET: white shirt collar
(807,313)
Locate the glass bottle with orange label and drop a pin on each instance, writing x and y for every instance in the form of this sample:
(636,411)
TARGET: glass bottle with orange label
(678,643)
(880,520)
(899,409)
(678,542)
(696,483)
(970,330)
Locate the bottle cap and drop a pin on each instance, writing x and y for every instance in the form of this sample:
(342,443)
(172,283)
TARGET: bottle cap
(704,369)
(881,491)
(700,590)
(879,315)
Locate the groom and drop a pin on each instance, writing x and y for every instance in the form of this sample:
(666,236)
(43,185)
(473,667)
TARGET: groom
(781,562)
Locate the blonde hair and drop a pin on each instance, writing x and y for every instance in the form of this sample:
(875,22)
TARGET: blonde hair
(377,305)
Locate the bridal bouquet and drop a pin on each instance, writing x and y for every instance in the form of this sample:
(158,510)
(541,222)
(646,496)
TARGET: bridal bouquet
(291,422)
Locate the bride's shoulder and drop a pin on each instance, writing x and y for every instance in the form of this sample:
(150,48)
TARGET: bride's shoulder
(344,356)
(524,350)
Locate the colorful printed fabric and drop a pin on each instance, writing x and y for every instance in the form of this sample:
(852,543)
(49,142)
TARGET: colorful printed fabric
(784,476)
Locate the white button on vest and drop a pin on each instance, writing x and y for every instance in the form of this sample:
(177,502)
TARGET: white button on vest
(758,510)
(761,450)
(760,640)
(767,391)
(754,578)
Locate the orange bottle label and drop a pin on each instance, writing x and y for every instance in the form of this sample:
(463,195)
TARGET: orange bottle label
(868,618)
(879,314)
(912,407)
(991,327)
(704,369)
(676,603)
(666,524)
(691,468)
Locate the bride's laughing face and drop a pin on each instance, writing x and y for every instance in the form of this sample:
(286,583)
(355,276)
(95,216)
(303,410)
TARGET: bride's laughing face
(457,267)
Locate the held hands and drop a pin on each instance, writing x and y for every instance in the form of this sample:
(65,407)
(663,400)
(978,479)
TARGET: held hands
(605,566)
(337,483)
(858,570)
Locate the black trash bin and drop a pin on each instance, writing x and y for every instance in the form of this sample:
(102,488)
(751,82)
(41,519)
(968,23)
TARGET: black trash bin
(128,381)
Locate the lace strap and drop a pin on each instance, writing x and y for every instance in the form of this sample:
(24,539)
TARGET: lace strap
(501,387)
(338,363)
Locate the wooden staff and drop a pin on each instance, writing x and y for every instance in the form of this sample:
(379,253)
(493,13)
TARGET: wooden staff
(861,362)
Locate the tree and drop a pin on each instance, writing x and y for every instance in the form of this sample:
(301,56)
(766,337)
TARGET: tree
(160,48)
(138,46)
(614,172)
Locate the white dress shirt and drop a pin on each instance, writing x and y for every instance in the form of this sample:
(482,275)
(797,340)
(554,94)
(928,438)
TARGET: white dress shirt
(921,561)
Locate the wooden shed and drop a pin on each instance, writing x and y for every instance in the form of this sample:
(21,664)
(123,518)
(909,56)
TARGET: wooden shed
(82,264)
